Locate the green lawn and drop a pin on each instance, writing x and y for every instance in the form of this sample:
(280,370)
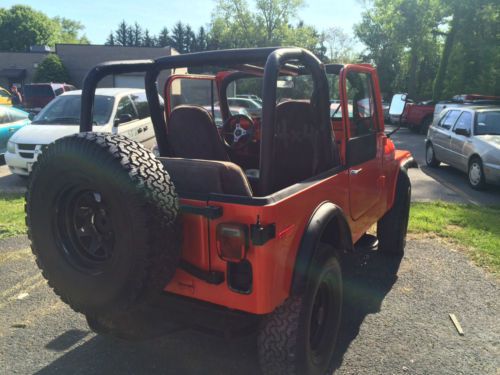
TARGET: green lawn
(11,215)
(473,228)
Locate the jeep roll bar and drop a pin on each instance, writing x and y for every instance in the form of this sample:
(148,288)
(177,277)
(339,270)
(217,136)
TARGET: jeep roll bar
(273,58)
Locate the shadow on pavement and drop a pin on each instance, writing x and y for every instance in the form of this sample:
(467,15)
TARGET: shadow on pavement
(365,287)
(190,352)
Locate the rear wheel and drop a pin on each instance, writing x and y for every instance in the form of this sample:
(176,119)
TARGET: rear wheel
(102,220)
(430,156)
(476,174)
(299,337)
(392,227)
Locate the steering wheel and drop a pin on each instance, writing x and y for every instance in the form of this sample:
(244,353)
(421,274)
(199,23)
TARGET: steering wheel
(238,131)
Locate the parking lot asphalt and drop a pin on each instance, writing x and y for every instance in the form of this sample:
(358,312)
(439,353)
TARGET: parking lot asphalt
(395,321)
(445,183)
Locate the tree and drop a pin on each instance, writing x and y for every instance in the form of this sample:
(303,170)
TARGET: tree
(22,26)
(111,40)
(179,38)
(148,40)
(51,69)
(136,35)
(340,45)
(70,31)
(121,34)
(163,39)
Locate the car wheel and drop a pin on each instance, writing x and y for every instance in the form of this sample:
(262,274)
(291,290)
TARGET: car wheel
(430,156)
(392,227)
(476,174)
(299,337)
(102,220)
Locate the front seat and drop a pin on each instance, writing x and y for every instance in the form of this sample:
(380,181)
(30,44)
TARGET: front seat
(193,134)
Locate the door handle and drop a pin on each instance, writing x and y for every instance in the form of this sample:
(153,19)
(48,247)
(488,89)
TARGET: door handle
(145,128)
(139,130)
(354,172)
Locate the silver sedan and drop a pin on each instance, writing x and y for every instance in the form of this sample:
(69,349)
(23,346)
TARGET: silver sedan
(468,139)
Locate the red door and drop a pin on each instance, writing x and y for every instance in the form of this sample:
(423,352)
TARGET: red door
(365,136)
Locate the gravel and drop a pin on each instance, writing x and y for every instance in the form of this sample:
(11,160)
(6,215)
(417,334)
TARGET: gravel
(393,324)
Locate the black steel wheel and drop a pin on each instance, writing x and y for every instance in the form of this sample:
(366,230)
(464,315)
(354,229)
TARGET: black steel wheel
(102,219)
(299,337)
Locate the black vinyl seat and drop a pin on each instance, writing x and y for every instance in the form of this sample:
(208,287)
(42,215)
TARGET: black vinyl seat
(193,134)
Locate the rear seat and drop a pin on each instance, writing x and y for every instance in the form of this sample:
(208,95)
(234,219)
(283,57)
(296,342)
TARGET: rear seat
(207,176)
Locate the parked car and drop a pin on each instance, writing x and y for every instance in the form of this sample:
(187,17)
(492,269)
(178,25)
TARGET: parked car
(5,97)
(116,110)
(250,96)
(385,109)
(11,120)
(467,138)
(465,100)
(38,95)
(252,107)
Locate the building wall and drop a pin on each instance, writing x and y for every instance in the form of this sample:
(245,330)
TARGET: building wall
(80,58)
(20,60)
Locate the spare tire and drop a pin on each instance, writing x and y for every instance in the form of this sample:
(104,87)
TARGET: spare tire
(102,219)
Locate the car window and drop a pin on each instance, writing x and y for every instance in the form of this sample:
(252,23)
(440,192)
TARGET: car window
(449,120)
(4,94)
(141,104)
(125,107)
(59,91)
(487,123)
(69,88)
(360,94)
(464,121)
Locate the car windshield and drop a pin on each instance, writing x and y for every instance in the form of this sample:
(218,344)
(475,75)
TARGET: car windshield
(487,123)
(65,110)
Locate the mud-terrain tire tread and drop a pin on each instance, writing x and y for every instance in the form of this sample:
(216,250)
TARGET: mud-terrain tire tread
(281,331)
(393,226)
(152,195)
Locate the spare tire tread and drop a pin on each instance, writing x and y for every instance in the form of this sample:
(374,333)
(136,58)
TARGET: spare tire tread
(152,196)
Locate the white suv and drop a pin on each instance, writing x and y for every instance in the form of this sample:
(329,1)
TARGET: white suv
(116,110)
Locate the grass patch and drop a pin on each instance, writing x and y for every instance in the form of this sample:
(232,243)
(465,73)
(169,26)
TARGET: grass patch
(474,228)
(11,215)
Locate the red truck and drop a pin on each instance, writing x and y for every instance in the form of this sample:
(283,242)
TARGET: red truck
(418,116)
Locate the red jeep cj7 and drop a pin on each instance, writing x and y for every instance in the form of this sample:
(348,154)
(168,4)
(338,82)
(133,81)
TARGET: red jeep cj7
(246,223)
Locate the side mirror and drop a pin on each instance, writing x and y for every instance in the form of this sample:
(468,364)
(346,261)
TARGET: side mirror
(126,117)
(398,103)
(462,131)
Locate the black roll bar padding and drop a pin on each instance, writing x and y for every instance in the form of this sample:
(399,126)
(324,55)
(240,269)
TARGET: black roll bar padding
(156,113)
(273,64)
(95,75)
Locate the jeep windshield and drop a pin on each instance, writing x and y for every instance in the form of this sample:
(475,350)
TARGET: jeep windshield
(487,123)
(65,110)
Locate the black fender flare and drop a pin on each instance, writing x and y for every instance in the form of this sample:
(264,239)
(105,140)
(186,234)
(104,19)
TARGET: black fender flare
(325,214)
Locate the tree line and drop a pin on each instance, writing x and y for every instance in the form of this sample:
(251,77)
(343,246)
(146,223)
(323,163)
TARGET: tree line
(428,48)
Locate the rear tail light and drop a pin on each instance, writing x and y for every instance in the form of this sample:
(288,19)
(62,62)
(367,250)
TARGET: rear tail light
(232,241)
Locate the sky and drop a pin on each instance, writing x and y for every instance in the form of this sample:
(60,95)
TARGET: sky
(101,16)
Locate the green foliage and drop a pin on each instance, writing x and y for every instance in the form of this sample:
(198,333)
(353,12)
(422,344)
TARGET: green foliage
(11,215)
(472,227)
(51,69)
(21,27)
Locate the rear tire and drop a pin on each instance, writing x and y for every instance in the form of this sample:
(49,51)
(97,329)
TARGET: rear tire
(425,124)
(392,227)
(102,220)
(476,174)
(299,337)
(430,156)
